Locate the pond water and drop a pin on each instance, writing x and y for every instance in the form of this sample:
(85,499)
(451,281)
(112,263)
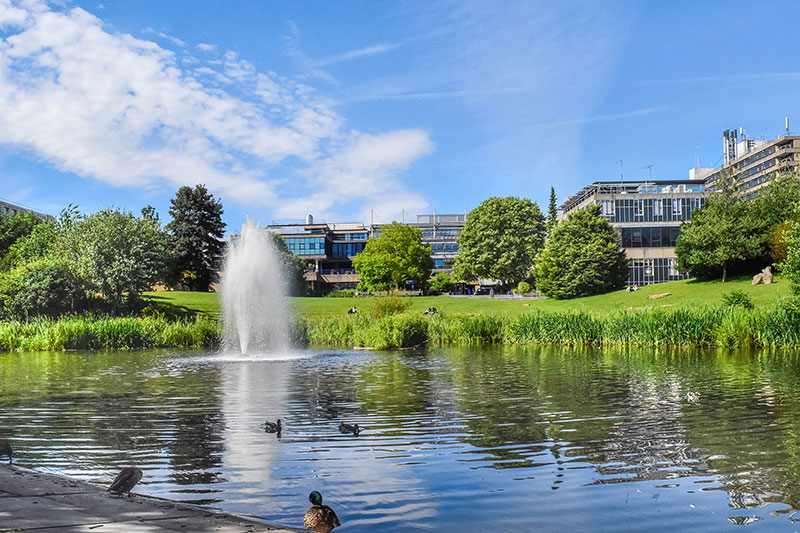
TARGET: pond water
(466,439)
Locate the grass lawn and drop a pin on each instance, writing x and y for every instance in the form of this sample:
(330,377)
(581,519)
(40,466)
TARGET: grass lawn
(688,293)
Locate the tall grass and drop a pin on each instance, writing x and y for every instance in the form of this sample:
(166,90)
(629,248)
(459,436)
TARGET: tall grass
(90,333)
(735,327)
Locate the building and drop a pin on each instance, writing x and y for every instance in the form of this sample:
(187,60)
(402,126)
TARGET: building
(440,233)
(7,208)
(647,215)
(328,248)
(753,162)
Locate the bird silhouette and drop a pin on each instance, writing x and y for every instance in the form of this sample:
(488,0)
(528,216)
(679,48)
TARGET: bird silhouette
(347,428)
(127,478)
(5,449)
(273,427)
(320,518)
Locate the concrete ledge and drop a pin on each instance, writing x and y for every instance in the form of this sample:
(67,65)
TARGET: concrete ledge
(38,501)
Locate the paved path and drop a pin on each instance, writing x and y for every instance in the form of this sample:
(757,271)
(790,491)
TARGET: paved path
(41,502)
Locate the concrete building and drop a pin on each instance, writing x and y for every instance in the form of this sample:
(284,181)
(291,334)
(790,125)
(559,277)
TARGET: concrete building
(752,163)
(328,248)
(440,233)
(8,208)
(647,215)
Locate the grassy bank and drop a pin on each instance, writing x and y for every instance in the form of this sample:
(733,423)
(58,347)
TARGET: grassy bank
(125,333)
(777,326)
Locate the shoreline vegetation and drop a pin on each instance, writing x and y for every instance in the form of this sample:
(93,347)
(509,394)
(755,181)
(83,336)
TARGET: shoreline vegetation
(694,315)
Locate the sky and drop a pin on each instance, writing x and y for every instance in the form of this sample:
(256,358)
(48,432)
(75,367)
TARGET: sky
(376,111)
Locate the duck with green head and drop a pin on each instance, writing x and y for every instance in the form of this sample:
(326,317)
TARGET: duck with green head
(320,518)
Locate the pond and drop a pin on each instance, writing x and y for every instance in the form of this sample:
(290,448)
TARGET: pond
(463,439)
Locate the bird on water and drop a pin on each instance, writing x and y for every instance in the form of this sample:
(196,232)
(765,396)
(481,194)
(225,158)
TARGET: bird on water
(127,478)
(5,449)
(347,428)
(693,397)
(320,518)
(273,427)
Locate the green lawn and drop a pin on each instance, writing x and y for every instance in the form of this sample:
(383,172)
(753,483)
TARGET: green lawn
(683,294)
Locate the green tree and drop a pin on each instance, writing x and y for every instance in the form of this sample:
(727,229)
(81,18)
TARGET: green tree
(395,257)
(292,266)
(441,284)
(500,240)
(197,230)
(581,257)
(45,286)
(14,227)
(552,210)
(791,265)
(722,232)
(119,254)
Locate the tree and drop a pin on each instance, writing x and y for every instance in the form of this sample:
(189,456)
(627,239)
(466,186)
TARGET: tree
(581,257)
(14,227)
(197,230)
(500,240)
(292,266)
(395,257)
(722,232)
(119,254)
(552,210)
(440,284)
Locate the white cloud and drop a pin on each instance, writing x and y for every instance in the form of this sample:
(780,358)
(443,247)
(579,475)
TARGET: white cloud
(124,111)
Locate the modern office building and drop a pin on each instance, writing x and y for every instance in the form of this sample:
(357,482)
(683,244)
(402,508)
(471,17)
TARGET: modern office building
(753,162)
(647,215)
(440,233)
(328,248)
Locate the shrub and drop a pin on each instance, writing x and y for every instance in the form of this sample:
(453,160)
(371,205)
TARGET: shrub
(440,284)
(341,293)
(390,304)
(523,287)
(45,287)
(737,298)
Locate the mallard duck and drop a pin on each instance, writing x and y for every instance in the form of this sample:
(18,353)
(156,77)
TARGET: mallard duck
(5,449)
(320,518)
(273,427)
(127,478)
(347,428)
(692,397)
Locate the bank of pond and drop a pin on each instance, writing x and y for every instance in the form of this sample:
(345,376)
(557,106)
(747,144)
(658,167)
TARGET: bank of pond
(736,327)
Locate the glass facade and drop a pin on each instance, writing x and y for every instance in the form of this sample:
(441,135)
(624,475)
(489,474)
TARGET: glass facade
(649,237)
(656,270)
(306,245)
(347,249)
(650,209)
(444,247)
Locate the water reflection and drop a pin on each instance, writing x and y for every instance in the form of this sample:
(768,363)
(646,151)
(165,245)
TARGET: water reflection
(601,440)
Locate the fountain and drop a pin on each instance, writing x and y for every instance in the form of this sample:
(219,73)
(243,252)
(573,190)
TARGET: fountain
(254,306)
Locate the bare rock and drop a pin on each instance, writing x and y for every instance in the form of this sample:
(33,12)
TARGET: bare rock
(758,279)
(657,296)
(767,273)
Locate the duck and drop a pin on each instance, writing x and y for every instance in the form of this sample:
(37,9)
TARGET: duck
(693,397)
(127,478)
(320,518)
(5,449)
(273,427)
(347,428)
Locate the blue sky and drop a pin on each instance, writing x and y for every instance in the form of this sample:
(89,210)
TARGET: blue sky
(341,109)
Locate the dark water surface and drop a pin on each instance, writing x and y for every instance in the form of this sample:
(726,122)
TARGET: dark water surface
(467,439)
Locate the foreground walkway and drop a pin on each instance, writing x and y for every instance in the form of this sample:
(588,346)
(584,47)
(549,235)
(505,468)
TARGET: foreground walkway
(36,501)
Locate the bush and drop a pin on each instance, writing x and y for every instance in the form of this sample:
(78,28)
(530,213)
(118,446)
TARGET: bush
(523,287)
(342,293)
(440,284)
(391,304)
(45,287)
(737,298)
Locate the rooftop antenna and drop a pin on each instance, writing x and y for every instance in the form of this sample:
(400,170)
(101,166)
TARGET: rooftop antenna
(787,126)
(697,157)
(650,169)
(404,216)
(371,217)
(621,178)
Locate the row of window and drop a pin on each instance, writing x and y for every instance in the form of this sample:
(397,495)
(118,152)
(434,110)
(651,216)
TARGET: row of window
(430,233)
(649,209)
(307,246)
(656,270)
(351,236)
(444,247)
(347,249)
(664,236)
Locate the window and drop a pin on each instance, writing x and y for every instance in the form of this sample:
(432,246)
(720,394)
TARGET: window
(607,208)
(658,207)
(673,267)
(638,208)
(696,203)
(676,206)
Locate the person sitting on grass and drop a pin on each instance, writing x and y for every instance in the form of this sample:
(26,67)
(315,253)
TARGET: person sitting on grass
(352,311)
